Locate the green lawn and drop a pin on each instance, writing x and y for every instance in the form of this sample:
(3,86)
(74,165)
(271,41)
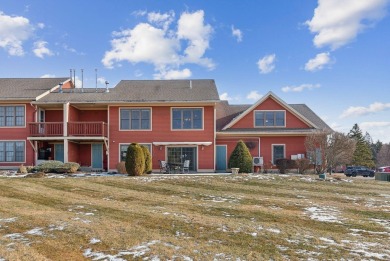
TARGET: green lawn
(251,217)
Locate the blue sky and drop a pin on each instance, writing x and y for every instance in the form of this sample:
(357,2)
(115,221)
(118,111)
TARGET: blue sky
(332,55)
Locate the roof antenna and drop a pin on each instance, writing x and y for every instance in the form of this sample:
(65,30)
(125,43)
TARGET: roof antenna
(82,80)
(107,86)
(95,80)
(74,78)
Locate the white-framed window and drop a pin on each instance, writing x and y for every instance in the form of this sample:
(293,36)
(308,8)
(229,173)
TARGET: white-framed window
(278,152)
(12,151)
(135,118)
(270,118)
(187,118)
(12,116)
(123,149)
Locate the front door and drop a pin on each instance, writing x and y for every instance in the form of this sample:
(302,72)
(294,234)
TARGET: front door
(59,152)
(221,165)
(97,156)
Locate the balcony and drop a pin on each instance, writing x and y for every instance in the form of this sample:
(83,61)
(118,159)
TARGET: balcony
(79,129)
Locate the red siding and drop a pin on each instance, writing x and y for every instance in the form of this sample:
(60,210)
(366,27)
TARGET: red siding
(161,132)
(85,155)
(92,115)
(20,134)
(54,115)
(270,104)
(73,114)
(73,152)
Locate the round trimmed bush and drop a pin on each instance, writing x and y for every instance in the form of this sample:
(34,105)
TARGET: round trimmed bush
(135,160)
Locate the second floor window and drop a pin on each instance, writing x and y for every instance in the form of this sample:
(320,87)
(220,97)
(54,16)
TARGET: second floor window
(135,119)
(187,118)
(11,116)
(270,119)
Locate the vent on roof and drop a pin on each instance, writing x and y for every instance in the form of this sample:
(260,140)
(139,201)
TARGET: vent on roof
(190,84)
(107,86)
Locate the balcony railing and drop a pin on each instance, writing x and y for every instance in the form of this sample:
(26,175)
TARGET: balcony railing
(87,129)
(45,129)
(83,129)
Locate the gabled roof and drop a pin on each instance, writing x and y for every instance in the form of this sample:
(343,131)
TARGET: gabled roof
(235,113)
(141,91)
(27,88)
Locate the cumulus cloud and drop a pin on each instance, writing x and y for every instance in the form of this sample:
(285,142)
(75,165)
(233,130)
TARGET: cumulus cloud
(254,95)
(336,23)
(48,75)
(361,111)
(14,30)
(318,62)
(300,88)
(237,34)
(225,96)
(266,64)
(40,49)
(156,43)
(174,74)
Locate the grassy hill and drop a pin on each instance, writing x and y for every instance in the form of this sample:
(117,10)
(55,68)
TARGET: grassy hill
(251,217)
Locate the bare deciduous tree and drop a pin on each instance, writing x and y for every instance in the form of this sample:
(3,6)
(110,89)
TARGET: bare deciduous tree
(339,150)
(316,144)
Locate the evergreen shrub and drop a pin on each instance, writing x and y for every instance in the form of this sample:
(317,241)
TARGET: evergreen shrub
(284,164)
(135,160)
(148,160)
(241,158)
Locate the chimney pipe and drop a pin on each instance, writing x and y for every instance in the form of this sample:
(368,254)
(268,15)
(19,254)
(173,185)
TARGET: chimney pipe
(190,84)
(107,86)
(82,80)
(95,80)
(74,78)
(60,84)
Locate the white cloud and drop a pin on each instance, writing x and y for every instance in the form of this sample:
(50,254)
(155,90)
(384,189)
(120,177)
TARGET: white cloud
(161,20)
(48,76)
(378,130)
(336,23)
(266,64)
(225,96)
(155,43)
(360,110)
(237,33)
(318,62)
(101,80)
(254,95)
(13,32)
(300,88)
(173,74)
(40,49)
(191,27)
(41,25)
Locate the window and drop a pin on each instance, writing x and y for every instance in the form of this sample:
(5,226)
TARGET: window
(135,119)
(187,119)
(269,118)
(277,152)
(11,116)
(12,151)
(123,149)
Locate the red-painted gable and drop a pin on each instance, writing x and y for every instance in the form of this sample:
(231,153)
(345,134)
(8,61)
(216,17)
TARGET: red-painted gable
(270,103)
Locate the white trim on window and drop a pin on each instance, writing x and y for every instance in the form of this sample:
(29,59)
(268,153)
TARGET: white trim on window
(25,115)
(171,116)
(275,126)
(135,108)
(25,152)
(272,151)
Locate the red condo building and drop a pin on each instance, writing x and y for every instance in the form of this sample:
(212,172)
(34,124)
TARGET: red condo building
(41,119)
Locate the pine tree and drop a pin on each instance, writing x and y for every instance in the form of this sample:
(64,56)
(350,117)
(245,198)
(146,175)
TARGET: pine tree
(135,160)
(241,158)
(363,153)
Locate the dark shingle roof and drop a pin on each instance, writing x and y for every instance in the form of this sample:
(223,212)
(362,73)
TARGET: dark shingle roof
(26,88)
(226,113)
(306,112)
(143,91)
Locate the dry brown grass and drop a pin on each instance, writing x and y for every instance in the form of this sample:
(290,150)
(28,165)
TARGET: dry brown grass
(255,217)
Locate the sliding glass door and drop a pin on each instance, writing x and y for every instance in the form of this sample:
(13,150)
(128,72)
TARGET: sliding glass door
(180,154)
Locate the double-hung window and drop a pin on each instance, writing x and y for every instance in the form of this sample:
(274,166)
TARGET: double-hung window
(12,151)
(270,119)
(187,118)
(11,116)
(135,119)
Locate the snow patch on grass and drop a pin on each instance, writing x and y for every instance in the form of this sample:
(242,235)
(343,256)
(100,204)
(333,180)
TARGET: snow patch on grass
(324,214)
